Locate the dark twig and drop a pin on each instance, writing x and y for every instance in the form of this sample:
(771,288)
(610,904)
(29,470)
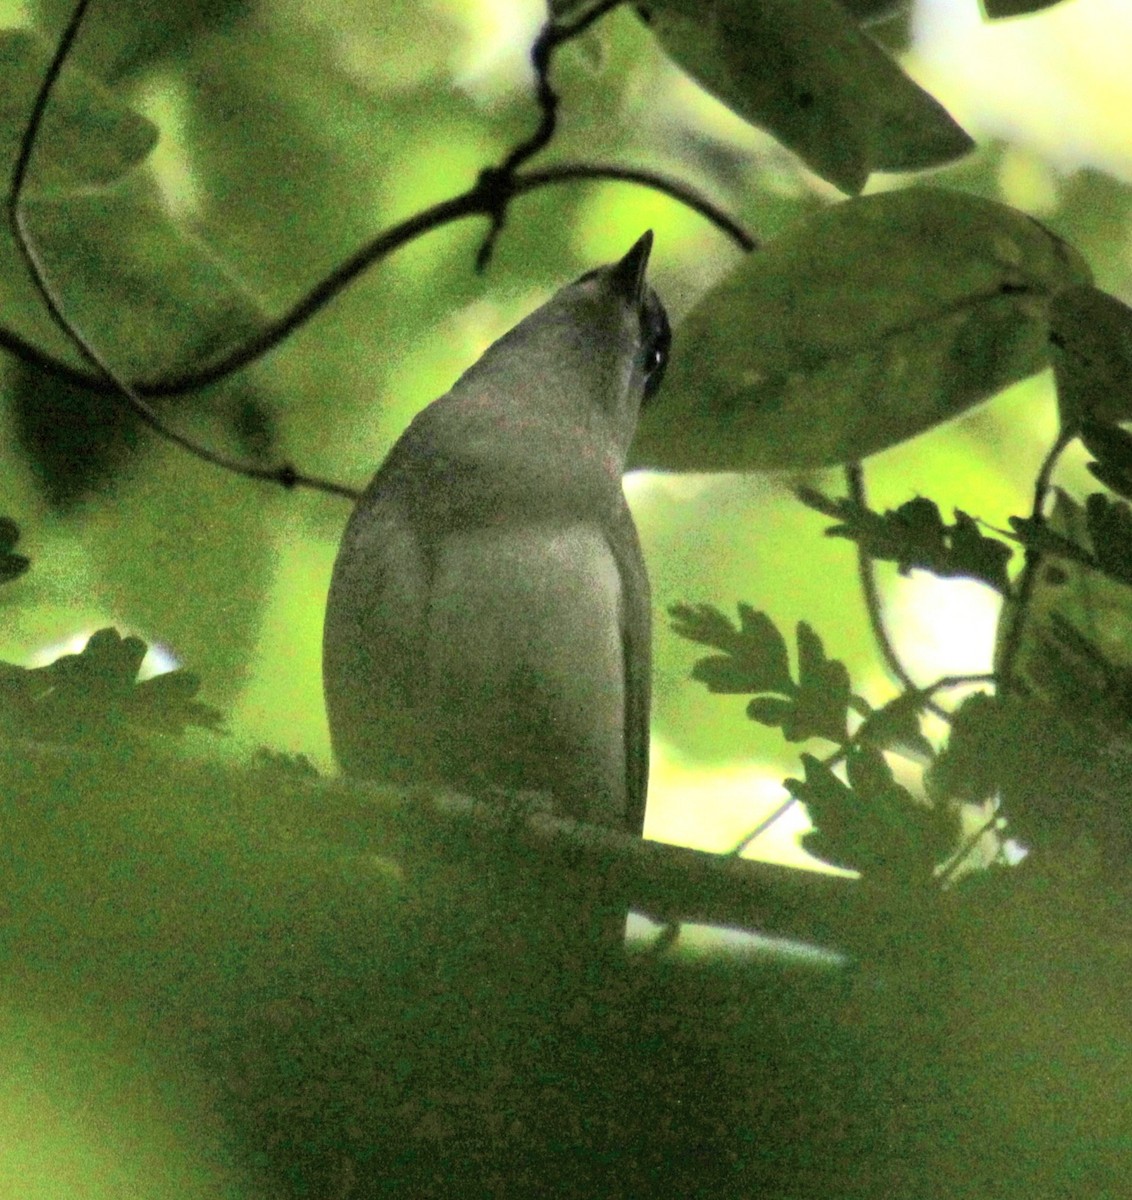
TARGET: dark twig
(493,191)
(498,182)
(855,482)
(472,203)
(286,476)
(1028,578)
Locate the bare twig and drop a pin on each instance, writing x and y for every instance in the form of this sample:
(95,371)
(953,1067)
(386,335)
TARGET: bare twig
(1024,592)
(473,203)
(498,182)
(855,482)
(490,196)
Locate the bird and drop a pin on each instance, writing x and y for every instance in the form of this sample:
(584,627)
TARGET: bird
(488,620)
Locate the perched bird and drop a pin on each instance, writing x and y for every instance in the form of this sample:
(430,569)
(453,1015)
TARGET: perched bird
(488,620)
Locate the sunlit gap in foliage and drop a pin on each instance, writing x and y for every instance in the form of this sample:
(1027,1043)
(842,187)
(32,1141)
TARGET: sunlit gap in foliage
(159,660)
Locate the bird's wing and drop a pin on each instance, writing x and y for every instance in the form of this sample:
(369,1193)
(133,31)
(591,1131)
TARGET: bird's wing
(373,640)
(636,639)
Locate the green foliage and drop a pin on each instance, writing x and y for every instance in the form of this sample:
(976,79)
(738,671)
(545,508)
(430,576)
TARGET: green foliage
(861,326)
(104,246)
(1091,338)
(89,137)
(872,824)
(12,565)
(95,695)
(1016,8)
(914,535)
(805,72)
(754,659)
(1101,537)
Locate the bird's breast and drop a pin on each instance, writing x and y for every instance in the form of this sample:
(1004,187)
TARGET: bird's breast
(526,662)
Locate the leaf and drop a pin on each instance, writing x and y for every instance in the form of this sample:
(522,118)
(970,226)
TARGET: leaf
(997,9)
(1113,449)
(755,660)
(95,694)
(150,296)
(1060,771)
(754,657)
(873,825)
(1091,349)
(88,137)
(914,535)
(1105,525)
(804,71)
(821,705)
(12,565)
(1074,648)
(896,726)
(863,325)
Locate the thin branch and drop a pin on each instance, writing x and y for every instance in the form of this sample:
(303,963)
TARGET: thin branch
(1027,580)
(650,179)
(855,482)
(495,187)
(498,182)
(472,203)
(286,476)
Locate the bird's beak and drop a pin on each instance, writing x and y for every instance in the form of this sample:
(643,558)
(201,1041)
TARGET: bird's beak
(628,276)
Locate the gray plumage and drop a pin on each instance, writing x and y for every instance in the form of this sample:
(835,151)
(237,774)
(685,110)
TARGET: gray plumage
(488,620)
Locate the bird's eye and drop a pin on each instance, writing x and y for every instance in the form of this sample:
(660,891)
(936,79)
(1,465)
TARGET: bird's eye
(656,337)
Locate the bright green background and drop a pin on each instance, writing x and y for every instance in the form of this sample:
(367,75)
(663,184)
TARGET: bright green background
(290,133)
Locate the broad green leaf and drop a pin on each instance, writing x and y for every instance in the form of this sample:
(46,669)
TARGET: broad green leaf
(997,9)
(88,137)
(804,71)
(149,295)
(1091,348)
(860,327)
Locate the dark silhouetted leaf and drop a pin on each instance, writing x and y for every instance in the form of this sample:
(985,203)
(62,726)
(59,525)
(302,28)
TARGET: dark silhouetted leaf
(872,825)
(914,535)
(1091,349)
(1101,541)
(861,326)
(95,694)
(896,726)
(1113,449)
(997,9)
(12,565)
(755,660)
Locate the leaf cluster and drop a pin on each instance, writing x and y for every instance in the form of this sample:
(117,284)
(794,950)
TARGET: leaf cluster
(96,695)
(870,823)
(915,535)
